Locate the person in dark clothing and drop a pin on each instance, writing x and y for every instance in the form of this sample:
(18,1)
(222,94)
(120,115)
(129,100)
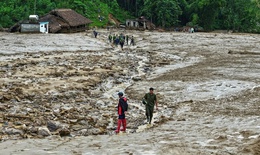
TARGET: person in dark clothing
(110,38)
(121,42)
(117,40)
(151,100)
(121,109)
(132,41)
(95,33)
(127,37)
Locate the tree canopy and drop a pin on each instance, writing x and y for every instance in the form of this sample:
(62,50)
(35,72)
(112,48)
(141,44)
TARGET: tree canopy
(236,15)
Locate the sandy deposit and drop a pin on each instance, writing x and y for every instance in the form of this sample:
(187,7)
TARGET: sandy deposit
(58,93)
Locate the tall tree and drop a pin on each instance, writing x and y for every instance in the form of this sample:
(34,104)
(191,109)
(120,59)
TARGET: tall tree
(206,12)
(164,13)
(168,12)
(240,15)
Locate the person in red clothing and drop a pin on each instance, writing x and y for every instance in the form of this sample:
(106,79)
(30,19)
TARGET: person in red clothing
(121,109)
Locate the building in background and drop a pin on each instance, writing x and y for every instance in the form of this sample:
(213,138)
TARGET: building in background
(139,23)
(56,21)
(65,21)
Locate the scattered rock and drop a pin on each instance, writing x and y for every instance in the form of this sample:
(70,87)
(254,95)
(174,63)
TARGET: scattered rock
(44,131)
(137,78)
(64,132)
(53,126)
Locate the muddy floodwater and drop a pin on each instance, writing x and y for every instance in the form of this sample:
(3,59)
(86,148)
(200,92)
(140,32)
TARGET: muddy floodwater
(59,93)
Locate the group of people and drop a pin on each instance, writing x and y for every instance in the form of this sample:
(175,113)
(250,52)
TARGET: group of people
(150,101)
(121,40)
(118,39)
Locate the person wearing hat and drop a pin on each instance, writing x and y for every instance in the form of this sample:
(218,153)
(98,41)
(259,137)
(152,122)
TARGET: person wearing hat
(151,100)
(121,109)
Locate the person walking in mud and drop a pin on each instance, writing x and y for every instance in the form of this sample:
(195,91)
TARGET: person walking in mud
(121,42)
(132,42)
(110,38)
(114,40)
(127,37)
(95,33)
(151,100)
(121,109)
(117,40)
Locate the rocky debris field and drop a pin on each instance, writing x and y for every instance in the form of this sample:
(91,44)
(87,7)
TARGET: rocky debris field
(60,90)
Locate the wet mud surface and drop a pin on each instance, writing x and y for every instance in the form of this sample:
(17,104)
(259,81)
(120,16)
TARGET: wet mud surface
(59,93)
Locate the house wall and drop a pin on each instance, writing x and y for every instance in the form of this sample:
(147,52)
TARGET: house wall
(44,27)
(30,28)
(132,23)
(140,24)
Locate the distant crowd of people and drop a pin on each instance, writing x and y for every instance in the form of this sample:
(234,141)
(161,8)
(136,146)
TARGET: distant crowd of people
(116,39)
(121,40)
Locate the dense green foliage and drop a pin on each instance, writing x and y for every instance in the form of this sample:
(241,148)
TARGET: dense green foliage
(237,15)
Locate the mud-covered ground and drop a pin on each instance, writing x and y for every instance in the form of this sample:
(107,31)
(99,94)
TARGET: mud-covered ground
(59,93)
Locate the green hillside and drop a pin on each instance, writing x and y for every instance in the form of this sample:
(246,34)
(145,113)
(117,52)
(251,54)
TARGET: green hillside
(236,15)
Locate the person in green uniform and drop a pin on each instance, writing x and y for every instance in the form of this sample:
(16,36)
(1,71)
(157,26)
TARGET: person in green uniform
(151,100)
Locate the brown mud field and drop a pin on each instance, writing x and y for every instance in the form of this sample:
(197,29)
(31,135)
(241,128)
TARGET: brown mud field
(59,93)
